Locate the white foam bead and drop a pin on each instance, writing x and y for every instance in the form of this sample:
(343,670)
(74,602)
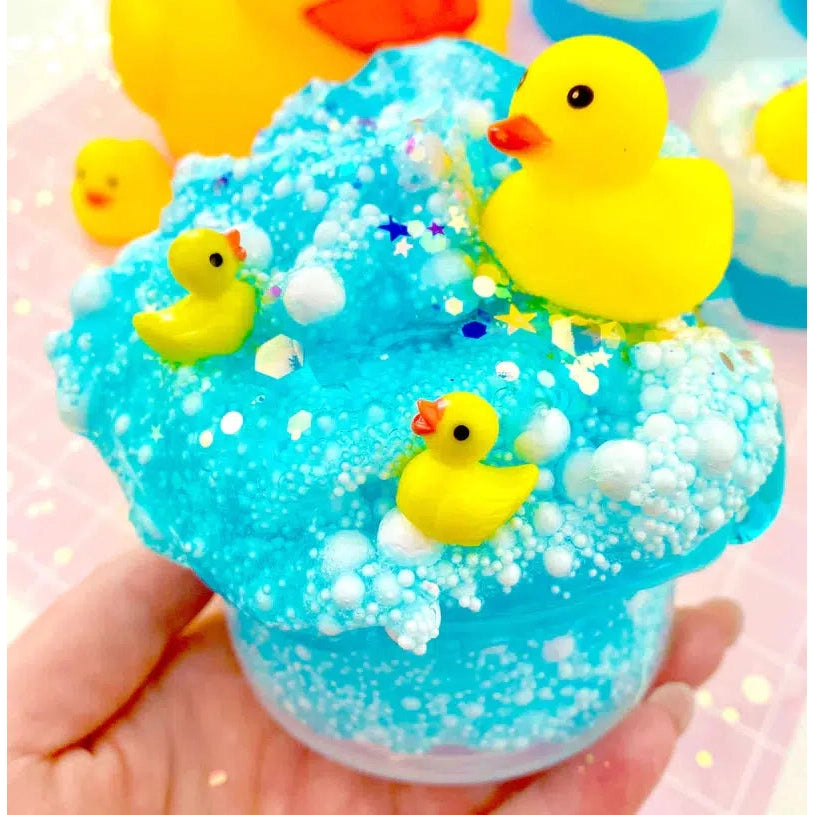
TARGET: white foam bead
(719,443)
(558,561)
(313,293)
(618,466)
(347,591)
(345,551)
(403,543)
(559,648)
(548,518)
(257,245)
(546,437)
(577,474)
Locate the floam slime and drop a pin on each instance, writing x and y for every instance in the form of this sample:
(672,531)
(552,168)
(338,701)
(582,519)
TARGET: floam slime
(753,123)
(630,236)
(671,32)
(275,472)
(119,189)
(212,72)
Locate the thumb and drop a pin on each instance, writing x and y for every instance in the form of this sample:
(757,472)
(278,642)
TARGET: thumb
(82,660)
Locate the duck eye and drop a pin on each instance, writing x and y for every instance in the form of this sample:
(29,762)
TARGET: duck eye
(80,174)
(523,79)
(580,96)
(461,432)
(216,259)
(112,181)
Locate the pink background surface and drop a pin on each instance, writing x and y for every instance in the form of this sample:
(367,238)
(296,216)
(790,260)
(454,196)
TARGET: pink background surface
(66,513)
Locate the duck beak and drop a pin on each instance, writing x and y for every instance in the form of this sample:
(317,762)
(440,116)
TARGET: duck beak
(97,199)
(427,419)
(516,134)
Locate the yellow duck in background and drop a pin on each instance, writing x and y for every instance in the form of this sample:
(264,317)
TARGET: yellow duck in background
(594,220)
(781,133)
(444,491)
(212,72)
(217,315)
(119,189)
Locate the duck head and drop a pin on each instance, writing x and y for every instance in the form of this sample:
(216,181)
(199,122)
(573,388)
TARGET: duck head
(460,428)
(204,261)
(781,133)
(119,188)
(592,109)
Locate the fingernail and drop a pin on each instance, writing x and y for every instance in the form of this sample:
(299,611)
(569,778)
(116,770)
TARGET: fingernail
(677,700)
(730,617)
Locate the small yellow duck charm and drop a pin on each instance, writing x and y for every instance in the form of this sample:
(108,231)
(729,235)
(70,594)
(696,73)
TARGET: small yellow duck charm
(594,220)
(217,315)
(444,491)
(781,133)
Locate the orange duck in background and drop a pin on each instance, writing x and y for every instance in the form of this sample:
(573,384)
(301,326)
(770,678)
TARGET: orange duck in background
(212,72)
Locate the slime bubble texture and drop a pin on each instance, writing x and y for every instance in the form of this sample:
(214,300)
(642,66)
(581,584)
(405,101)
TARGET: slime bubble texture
(272,472)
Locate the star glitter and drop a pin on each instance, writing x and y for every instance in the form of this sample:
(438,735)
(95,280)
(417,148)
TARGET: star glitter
(457,219)
(517,321)
(436,229)
(394,229)
(155,433)
(402,247)
(600,357)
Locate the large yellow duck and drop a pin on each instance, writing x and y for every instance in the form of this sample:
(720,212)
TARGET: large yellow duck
(217,315)
(780,132)
(594,220)
(444,491)
(212,72)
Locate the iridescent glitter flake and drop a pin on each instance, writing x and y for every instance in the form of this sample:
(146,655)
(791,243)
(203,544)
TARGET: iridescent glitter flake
(278,357)
(298,424)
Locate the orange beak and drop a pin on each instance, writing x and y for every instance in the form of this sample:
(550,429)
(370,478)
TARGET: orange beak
(97,199)
(516,134)
(233,237)
(427,419)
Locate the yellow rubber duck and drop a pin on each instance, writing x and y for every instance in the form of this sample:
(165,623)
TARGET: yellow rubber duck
(781,133)
(212,72)
(595,221)
(217,315)
(444,491)
(119,189)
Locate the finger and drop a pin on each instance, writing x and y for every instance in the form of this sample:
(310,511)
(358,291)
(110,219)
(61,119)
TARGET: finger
(699,639)
(94,647)
(620,771)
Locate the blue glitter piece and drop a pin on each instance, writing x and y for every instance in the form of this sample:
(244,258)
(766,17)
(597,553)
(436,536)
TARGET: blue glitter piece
(276,471)
(474,330)
(394,229)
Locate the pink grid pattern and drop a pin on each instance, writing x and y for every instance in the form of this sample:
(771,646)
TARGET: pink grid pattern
(66,513)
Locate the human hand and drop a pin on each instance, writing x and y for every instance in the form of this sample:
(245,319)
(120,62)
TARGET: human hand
(125,697)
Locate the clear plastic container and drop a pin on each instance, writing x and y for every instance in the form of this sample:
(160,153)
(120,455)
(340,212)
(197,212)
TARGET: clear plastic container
(495,696)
